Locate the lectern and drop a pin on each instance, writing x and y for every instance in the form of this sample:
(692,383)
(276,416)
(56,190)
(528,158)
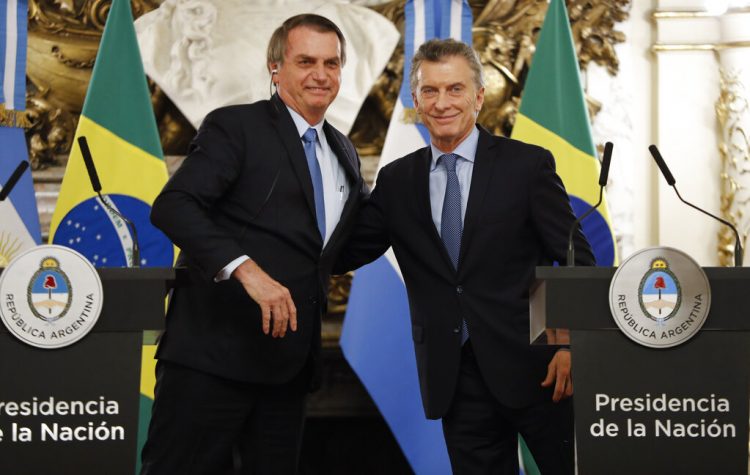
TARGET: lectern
(75,410)
(651,411)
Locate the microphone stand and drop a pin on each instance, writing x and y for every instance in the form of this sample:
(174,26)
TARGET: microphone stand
(603,174)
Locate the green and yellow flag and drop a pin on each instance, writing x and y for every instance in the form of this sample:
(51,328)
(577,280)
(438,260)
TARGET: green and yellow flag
(553,115)
(118,122)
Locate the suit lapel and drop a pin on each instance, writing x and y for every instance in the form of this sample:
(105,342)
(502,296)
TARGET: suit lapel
(286,129)
(350,164)
(346,159)
(421,181)
(484,162)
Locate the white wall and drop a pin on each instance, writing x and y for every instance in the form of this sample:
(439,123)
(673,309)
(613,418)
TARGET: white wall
(626,119)
(671,104)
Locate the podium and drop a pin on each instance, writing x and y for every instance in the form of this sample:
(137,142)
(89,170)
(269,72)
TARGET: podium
(75,410)
(651,411)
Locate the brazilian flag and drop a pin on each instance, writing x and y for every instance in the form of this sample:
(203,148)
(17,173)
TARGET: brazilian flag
(553,115)
(118,122)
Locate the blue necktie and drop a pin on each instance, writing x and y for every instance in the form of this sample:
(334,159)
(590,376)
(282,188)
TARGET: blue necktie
(451,222)
(309,139)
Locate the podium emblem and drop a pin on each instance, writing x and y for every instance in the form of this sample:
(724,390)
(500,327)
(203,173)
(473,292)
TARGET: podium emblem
(49,291)
(659,297)
(659,293)
(50,297)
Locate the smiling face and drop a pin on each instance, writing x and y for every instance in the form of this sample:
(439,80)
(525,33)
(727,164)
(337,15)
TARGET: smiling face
(309,78)
(447,100)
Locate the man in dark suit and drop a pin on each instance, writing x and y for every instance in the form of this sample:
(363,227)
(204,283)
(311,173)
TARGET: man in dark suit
(260,209)
(469,217)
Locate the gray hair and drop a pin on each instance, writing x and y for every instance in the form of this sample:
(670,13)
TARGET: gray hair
(437,50)
(277,43)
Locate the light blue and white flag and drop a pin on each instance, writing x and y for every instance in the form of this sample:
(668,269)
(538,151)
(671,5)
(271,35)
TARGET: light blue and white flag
(376,338)
(19,220)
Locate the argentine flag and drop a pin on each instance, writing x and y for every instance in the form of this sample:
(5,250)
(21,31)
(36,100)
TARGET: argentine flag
(376,337)
(19,220)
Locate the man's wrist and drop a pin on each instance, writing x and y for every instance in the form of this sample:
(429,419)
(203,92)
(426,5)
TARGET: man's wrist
(228,270)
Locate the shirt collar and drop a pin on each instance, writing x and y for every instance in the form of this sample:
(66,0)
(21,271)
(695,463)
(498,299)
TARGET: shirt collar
(302,124)
(467,149)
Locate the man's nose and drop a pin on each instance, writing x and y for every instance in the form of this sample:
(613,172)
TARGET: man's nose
(319,72)
(442,101)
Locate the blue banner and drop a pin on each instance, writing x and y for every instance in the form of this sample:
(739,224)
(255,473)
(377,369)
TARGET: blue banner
(376,338)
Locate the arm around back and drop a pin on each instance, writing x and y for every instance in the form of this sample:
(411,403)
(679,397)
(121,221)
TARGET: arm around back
(370,237)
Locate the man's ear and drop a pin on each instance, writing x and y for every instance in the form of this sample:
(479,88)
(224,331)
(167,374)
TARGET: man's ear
(480,99)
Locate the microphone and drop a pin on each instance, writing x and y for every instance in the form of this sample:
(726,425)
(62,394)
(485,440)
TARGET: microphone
(89,161)
(662,166)
(603,174)
(671,182)
(97,186)
(14,177)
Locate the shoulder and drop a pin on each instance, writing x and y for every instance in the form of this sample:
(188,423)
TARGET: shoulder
(514,152)
(328,127)
(235,121)
(336,134)
(407,162)
(513,147)
(232,112)
(343,142)
(401,172)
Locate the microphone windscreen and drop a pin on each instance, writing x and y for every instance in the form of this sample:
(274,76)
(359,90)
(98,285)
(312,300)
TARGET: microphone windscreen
(89,161)
(606,160)
(661,164)
(14,177)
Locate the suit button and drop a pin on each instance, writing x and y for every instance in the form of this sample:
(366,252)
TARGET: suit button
(459,290)
(456,330)
(313,300)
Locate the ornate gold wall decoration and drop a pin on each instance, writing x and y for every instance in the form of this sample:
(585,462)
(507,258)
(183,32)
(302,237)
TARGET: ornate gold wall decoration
(64,37)
(175,131)
(338,293)
(504,35)
(62,44)
(732,110)
(51,131)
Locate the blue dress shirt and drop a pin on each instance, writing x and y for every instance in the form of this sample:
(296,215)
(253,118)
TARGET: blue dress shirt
(467,151)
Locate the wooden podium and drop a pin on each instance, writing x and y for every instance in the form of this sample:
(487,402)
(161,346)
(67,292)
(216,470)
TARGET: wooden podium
(651,411)
(75,410)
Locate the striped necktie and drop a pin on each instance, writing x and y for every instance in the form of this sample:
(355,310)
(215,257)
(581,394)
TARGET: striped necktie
(451,222)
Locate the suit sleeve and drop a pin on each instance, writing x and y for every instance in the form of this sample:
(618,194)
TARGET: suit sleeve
(185,209)
(553,216)
(370,237)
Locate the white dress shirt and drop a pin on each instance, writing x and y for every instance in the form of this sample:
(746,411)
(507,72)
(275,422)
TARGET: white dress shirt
(335,186)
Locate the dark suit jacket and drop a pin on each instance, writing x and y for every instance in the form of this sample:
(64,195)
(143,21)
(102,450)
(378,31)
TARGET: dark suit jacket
(518,216)
(245,188)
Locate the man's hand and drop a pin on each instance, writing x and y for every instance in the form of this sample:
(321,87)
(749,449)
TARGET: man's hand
(558,371)
(274,299)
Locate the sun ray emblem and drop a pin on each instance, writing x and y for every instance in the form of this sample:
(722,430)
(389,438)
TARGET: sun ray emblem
(9,247)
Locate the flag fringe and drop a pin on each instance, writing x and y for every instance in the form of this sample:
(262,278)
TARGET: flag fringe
(14,118)
(411,116)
